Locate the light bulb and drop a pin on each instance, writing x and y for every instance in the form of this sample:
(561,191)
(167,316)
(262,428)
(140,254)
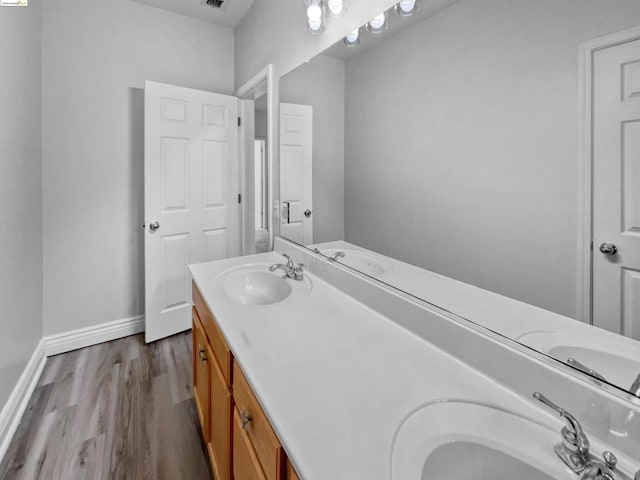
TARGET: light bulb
(352,39)
(315,25)
(407,7)
(378,23)
(336,7)
(314,13)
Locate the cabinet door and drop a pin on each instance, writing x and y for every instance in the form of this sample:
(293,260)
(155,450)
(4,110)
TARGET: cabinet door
(221,424)
(291,473)
(201,376)
(258,429)
(245,461)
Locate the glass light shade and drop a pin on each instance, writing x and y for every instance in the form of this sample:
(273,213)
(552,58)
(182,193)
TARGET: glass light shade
(404,8)
(315,17)
(378,23)
(352,39)
(314,12)
(336,7)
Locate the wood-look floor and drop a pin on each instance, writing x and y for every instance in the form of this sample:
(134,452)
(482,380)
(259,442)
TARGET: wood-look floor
(119,410)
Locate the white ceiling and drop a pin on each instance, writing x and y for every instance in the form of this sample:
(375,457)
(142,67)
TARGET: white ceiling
(230,14)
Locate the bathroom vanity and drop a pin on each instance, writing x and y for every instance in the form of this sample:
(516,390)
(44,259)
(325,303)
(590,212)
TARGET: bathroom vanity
(312,379)
(240,440)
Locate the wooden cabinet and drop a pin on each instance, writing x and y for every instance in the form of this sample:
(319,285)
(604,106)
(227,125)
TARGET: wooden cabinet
(212,389)
(291,473)
(246,465)
(241,442)
(221,402)
(257,428)
(201,375)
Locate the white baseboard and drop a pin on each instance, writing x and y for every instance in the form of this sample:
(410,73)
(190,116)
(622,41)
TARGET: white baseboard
(85,337)
(12,412)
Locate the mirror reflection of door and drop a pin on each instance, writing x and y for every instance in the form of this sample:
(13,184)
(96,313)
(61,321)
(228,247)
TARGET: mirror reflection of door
(616,189)
(296,169)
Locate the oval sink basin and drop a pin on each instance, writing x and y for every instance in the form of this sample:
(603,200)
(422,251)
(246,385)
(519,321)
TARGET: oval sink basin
(616,359)
(360,261)
(255,287)
(467,441)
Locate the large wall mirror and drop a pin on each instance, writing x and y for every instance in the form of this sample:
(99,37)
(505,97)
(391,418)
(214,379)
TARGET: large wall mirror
(451,153)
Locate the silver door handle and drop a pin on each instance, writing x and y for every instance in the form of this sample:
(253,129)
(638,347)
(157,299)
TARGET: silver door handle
(608,248)
(154,226)
(307,213)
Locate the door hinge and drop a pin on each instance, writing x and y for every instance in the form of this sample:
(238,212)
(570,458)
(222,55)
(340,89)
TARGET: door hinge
(239,122)
(592,245)
(239,198)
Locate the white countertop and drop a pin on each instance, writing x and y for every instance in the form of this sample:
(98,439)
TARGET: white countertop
(335,378)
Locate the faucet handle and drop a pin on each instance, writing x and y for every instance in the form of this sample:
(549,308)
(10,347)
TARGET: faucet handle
(541,398)
(572,434)
(290,263)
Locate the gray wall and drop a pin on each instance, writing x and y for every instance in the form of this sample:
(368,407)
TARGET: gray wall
(96,56)
(462,143)
(20,192)
(321,84)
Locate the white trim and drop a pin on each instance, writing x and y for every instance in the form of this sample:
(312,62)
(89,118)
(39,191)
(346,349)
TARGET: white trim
(86,337)
(12,412)
(585,166)
(256,85)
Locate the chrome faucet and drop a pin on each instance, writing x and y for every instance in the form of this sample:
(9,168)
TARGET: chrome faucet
(635,390)
(574,449)
(336,255)
(635,387)
(602,471)
(293,271)
(583,368)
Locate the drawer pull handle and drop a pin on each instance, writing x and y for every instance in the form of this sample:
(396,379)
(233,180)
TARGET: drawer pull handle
(245,419)
(202,355)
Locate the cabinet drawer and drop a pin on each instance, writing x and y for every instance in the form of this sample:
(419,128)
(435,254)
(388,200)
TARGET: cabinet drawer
(201,375)
(218,345)
(258,429)
(245,462)
(221,425)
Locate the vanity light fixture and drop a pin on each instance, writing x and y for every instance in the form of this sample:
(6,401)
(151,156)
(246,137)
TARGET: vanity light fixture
(336,8)
(379,23)
(352,39)
(315,16)
(405,8)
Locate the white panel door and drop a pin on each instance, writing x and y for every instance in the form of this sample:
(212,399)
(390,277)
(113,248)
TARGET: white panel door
(616,189)
(296,172)
(191,196)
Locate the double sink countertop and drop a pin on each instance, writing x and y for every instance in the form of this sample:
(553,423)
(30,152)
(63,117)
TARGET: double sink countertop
(336,378)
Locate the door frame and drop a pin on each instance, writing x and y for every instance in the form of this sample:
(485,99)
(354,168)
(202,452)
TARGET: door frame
(584,303)
(260,84)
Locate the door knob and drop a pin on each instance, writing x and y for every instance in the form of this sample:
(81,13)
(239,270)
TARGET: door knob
(307,213)
(608,248)
(154,226)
